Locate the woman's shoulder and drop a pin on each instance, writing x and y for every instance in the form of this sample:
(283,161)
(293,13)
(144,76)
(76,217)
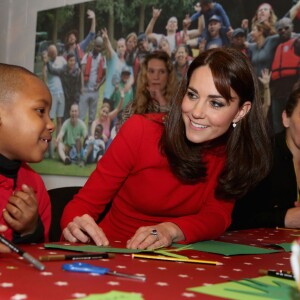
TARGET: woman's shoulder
(143,124)
(157,118)
(141,130)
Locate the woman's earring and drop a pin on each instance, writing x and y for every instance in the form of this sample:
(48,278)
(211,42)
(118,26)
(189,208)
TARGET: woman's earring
(233,124)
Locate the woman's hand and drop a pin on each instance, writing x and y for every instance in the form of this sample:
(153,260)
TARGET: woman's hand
(157,94)
(156,236)
(84,229)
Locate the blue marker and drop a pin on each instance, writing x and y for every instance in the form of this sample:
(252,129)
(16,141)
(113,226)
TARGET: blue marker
(88,268)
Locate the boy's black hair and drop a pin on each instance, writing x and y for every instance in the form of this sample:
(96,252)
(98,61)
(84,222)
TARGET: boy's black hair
(12,80)
(99,126)
(70,55)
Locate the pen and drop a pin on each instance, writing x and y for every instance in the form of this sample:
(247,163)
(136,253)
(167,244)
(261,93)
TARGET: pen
(85,256)
(188,260)
(22,253)
(279,274)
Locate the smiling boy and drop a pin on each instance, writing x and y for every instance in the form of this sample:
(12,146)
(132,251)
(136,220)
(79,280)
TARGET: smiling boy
(25,133)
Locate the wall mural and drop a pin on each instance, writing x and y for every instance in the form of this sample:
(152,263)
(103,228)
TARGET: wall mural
(90,54)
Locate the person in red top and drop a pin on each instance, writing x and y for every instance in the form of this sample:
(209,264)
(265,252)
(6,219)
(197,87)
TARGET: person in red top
(25,133)
(174,177)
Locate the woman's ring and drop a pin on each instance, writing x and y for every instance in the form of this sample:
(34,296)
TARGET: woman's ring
(154,232)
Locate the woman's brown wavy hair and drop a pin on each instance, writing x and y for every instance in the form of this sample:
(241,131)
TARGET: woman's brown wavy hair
(142,97)
(248,145)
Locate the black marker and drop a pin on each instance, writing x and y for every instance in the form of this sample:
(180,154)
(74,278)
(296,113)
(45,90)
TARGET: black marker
(22,253)
(278,274)
(76,257)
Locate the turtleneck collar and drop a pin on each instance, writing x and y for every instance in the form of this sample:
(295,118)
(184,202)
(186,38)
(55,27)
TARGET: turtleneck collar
(9,168)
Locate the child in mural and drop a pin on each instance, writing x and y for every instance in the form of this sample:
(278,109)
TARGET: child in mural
(117,126)
(70,79)
(106,117)
(25,134)
(119,86)
(94,146)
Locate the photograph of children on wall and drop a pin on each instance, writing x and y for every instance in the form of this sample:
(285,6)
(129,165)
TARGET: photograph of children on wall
(97,59)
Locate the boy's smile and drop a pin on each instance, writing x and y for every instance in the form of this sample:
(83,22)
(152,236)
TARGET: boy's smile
(26,127)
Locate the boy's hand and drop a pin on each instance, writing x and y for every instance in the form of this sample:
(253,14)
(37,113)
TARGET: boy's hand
(21,212)
(3,248)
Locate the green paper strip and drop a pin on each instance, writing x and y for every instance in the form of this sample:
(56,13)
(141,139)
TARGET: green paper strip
(90,248)
(227,248)
(217,247)
(169,253)
(100,249)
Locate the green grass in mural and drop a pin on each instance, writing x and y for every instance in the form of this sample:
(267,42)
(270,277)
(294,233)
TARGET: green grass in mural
(56,167)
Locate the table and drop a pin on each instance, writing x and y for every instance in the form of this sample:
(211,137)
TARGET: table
(165,280)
